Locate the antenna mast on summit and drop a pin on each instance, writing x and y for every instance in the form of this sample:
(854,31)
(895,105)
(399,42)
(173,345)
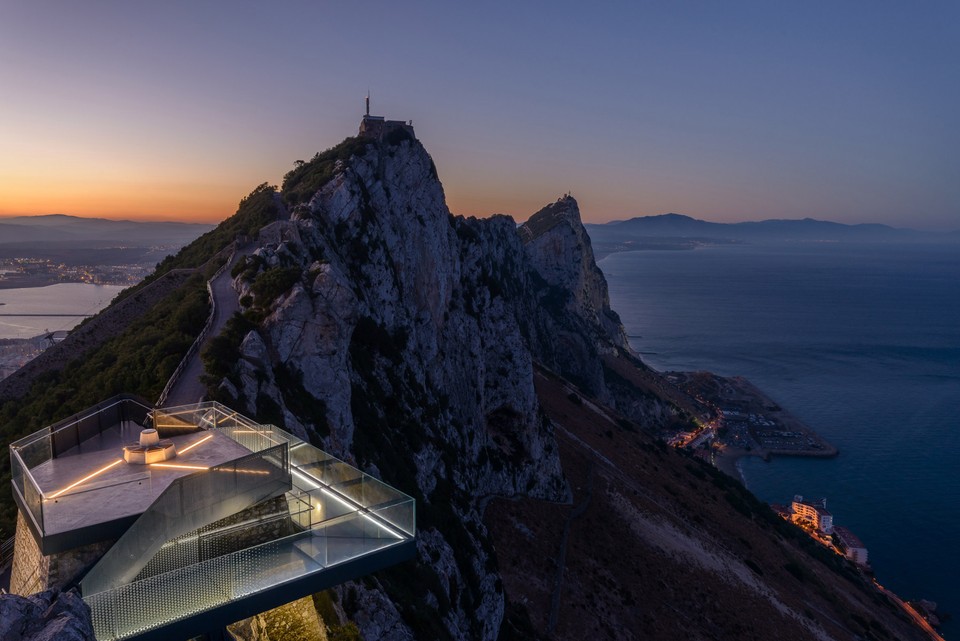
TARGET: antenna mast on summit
(368,102)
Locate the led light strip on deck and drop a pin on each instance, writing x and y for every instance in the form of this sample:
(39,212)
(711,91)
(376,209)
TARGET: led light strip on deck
(193,445)
(353,508)
(173,465)
(86,478)
(178,466)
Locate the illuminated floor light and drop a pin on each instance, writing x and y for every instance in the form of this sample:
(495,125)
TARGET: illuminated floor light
(306,478)
(344,503)
(86,478)
(362,513)
(193,445)
(179,466)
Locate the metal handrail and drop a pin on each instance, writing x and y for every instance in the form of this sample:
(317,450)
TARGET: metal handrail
(49,431)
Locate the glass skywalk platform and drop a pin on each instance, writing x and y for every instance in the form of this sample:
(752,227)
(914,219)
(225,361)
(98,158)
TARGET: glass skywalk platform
(214,541)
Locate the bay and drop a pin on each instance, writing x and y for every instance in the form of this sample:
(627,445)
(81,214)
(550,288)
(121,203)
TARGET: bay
(68,301)
(862,342)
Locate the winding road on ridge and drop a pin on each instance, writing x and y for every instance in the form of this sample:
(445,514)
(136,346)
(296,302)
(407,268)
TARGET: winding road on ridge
(188,388)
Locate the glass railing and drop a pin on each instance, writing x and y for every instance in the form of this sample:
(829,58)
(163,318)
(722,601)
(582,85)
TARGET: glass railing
(26,487)
(271,520)
(188,503)
(345,488)
(146,604)
(120,417)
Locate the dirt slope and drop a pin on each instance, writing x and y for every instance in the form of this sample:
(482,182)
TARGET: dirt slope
(657,545)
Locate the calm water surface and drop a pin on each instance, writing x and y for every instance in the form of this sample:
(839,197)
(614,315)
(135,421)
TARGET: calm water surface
(62,298)
(860,342)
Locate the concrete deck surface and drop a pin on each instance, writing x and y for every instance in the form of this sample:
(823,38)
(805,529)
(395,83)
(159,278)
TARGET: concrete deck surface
(124,489)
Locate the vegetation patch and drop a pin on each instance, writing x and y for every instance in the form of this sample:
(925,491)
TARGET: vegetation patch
(307,178)
(258,209)
(273,283)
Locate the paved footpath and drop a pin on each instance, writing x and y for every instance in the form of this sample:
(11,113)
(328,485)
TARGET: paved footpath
(188,388)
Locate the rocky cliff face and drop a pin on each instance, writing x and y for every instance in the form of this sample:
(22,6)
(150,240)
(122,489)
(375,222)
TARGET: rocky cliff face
(559,248)
(416,332)
(409,341)
(46,616)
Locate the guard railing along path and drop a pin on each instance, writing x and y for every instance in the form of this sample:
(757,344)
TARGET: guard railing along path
(184,384)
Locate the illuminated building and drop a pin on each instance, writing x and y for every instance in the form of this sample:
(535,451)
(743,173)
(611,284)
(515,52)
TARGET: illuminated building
(813,512)
(376,127)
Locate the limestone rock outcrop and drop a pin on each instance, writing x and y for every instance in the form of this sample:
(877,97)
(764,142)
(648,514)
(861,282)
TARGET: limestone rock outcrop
(46,616)
(408,345)
(558,246)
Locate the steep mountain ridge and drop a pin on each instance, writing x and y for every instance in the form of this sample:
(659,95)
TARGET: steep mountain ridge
(417,333)
(477,366)
(409,340)
(559,249)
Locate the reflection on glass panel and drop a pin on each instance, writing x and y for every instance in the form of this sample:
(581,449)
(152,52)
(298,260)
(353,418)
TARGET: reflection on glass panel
(401,516)
(36,452)
(34,500)
(188,503)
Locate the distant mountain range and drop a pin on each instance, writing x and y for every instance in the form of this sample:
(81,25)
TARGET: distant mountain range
(96,232)
(676,231)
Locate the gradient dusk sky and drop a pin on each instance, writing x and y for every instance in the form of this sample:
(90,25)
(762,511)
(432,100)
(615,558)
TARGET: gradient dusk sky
(726,111)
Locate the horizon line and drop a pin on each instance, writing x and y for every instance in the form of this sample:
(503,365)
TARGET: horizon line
(215,222)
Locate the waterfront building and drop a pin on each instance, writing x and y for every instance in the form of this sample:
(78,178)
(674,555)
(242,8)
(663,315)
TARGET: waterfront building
(178,521)
(813,512)
(850,545)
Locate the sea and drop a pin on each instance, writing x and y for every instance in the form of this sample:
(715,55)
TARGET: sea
(51,308)
(862,343)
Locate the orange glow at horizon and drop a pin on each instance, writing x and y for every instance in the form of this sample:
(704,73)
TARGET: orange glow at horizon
(144,202)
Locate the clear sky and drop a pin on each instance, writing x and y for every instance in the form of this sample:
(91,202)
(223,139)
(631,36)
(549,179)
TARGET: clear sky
(725,111)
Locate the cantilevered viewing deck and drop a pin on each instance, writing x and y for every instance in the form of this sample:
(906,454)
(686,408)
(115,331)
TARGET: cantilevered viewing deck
(244,518)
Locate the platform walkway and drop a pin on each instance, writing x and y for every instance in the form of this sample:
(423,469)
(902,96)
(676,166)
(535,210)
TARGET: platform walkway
(188,387)
(338,524)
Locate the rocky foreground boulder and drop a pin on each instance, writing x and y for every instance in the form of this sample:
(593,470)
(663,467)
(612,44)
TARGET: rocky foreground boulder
(45,616)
